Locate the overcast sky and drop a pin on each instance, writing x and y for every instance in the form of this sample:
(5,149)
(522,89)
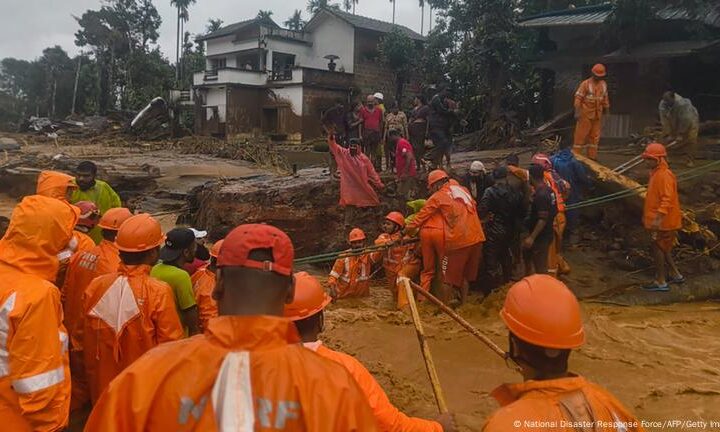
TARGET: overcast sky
(29,26)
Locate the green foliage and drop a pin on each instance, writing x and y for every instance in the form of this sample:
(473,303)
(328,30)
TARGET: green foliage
(295,22)
(314,6)
(400,54)
(213,25)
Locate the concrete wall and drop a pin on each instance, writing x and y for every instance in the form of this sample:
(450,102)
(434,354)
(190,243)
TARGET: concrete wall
(293,95)
(226,45)
(216,96)
(244,111)
(332,36)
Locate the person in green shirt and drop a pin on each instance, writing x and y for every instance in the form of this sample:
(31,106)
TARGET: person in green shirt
(97,191)
(179,249)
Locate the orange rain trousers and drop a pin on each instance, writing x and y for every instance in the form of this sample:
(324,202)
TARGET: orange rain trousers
(432,246)
(283,385)
(587,137)
(203,282)
(557,265)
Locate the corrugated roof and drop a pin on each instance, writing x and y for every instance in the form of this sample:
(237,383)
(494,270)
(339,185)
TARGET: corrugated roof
(662,50)
(232,28)
(594,15)
(373,24)
(579,16)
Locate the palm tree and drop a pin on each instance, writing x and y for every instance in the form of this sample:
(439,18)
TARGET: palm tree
(265,15)
(213,25)
(295,22)
(422,16)
(314,6)
(182,8)
(350,4)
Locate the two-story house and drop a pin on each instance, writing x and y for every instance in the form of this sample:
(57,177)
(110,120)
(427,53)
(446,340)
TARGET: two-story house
(261,79)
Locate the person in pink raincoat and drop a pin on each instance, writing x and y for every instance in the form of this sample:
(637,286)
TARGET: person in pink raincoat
(358,178)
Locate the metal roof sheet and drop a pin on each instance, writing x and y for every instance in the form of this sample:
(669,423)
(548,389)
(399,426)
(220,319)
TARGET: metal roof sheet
(662,50)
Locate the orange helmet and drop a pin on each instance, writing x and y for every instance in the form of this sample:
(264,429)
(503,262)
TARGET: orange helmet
(310,298)
(139,233)
(542,311)
(113,218)
(89,213)
(397,218)
(599,70)
(215,249)
(435,176)
(356,234)
(654,151)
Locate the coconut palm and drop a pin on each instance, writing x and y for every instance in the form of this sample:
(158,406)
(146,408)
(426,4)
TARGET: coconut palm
(182,16)
(213,25)
(350,4)
(264,15)
(314,6)
(295,22)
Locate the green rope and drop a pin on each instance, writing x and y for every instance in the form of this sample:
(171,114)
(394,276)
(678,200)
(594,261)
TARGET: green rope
(332,256)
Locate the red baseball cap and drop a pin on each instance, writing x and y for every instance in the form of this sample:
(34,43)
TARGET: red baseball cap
(244,239)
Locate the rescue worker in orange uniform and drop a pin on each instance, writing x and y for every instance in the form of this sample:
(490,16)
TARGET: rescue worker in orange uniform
(350,275)
(82,269)
(591,102)
(306,311)
(557,265)
(662,217)
(126,312)
(453,206)
(81,241)
(398,257)
(203,282)
(34,365)
(544,323)
(248,371)
(56,185)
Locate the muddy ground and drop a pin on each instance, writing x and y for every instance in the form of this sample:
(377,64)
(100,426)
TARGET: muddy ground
(661,361)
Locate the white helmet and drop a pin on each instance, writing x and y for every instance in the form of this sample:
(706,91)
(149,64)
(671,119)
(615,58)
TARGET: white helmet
(477,167)
(379,95)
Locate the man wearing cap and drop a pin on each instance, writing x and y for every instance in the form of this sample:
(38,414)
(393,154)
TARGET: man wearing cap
(307,312)
(477,180)
(203,285)
(544,324)
(202,254)
(126,312)
(82,269)
(591,102)
(178,250)
(248,371)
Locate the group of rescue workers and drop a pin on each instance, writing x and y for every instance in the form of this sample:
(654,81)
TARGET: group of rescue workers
(159,331)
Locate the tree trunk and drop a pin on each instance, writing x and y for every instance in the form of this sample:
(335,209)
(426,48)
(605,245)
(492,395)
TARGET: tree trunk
(77,79)
(54,95)
(422,19)
(393,2)
(177,48)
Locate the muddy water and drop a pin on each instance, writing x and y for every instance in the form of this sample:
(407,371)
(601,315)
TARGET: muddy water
(661,362)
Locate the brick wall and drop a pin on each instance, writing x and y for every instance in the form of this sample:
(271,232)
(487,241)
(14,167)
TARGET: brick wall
(315,101)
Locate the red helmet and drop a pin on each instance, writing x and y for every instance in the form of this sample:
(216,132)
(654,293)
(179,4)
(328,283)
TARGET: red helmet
(310,298)
(599,70)
(435,176)
(89,214)
(542,311)
(356,234)
(397,218)
(543,160)
(654,151)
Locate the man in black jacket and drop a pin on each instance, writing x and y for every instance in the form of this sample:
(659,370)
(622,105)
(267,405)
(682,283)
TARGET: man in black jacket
(501,210)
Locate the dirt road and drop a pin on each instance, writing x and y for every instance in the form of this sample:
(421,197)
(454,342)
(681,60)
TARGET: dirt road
(661,362)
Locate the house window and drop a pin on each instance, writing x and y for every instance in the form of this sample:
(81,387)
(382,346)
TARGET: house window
(282,66)
(218,63)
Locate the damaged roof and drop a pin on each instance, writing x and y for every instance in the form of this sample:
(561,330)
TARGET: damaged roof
(366,23)
(232,28)
(594,15)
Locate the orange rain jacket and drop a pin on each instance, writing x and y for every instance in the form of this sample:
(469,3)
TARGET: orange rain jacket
(389,418)
(350,275)
(203,282)
(662,199)
(459,214)
(125,314)
(591,98)
(54,184)
(251,366)
(560,199)
(572,399)
(34,367)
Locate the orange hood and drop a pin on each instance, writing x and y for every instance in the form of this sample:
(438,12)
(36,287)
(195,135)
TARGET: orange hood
(40,227)
(54,184)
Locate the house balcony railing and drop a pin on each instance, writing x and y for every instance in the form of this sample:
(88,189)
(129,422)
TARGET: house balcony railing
(230,76)
(274,32)
(285,74)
